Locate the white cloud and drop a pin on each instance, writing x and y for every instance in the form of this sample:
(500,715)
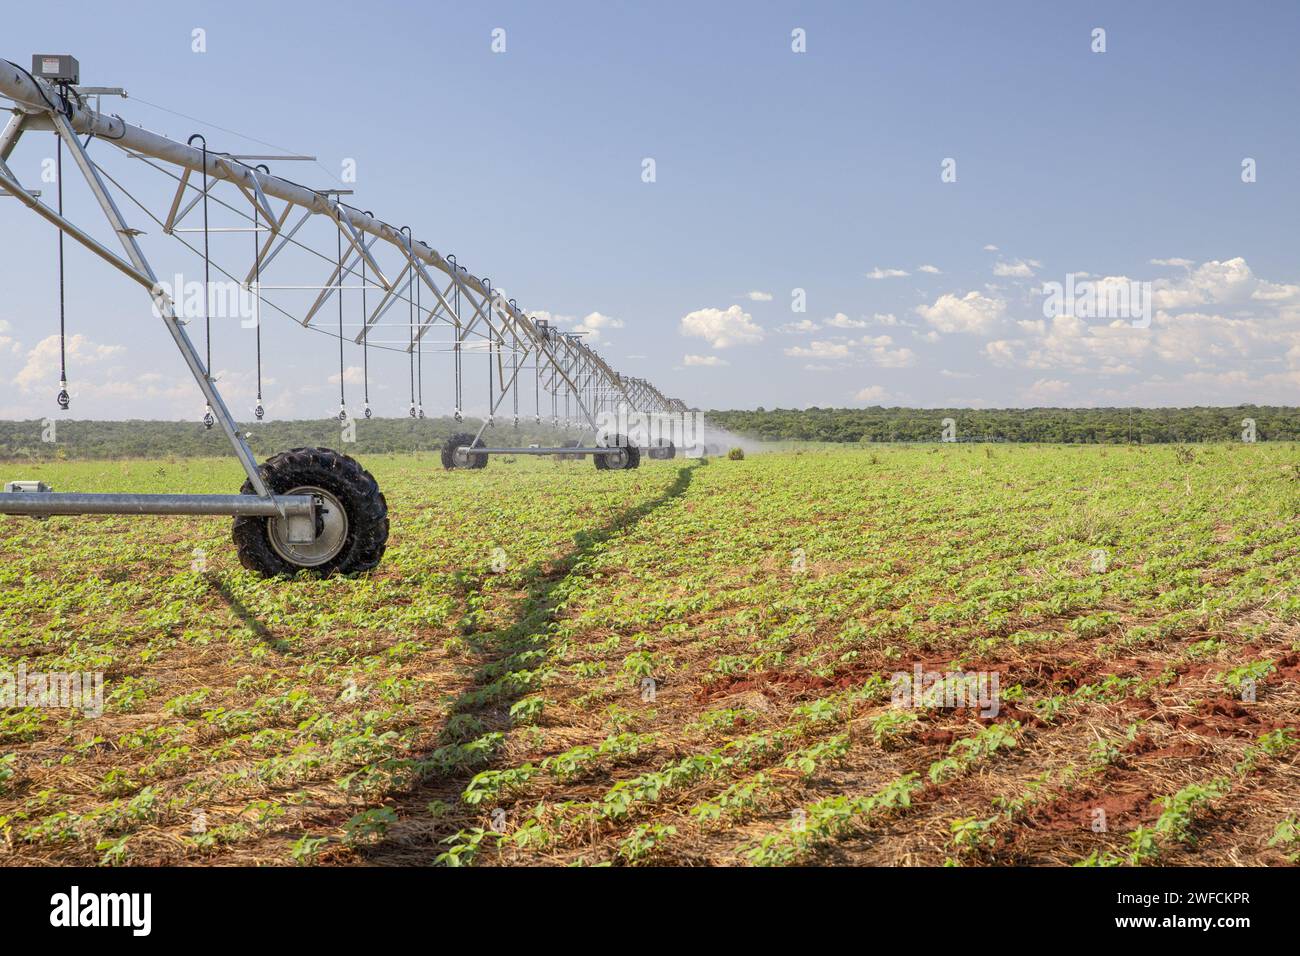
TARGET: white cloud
(884,318)
(541,315)
(879,273)
(1000,352)
(818,349)
(1046,390)
(932,270)
(594,325)
(1184,263)
(352,375)
(759,296)
(1019,269)
(872,393)
(1216,325)
(41,369)
(1275,292)
(972,312)
(798,328)
(879,351)
(722,329)
(1211,283)
(707,361)
(841,321)
(990,248)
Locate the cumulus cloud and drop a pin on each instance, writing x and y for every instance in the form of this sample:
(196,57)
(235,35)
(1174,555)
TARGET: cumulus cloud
(1000,352)
(932,270)
(1217,325)
(798,328)
(818,349)
(841,321)
(878,350)
(1046,390)
(594,325)
(1275,292)
(990,248)
(759,296)
(722,329)
(706,361)
(1210,283)
(352,375)
(41,369)
(7,342)
(1184,263)
(972,312)
(872,393)
(1019,269)
(879,273)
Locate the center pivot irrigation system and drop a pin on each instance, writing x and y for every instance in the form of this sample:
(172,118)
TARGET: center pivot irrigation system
(309,508)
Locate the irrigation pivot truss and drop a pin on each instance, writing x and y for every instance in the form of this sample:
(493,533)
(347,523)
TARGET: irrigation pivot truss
(312,508)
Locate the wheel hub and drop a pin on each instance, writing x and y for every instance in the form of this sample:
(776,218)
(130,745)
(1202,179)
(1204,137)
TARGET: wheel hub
(331,531)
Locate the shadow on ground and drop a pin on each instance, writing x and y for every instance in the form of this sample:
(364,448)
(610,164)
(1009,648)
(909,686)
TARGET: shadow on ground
(246,617)
(417,836)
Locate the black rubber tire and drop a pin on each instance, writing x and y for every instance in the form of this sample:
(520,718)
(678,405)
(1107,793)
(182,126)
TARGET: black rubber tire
(633,456)
(456,441)
(345,479)
(664,452)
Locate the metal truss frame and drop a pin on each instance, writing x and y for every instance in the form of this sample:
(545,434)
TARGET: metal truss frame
(467,305)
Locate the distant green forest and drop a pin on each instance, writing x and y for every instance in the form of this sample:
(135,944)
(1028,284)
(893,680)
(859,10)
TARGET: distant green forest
(155,439)
(1057,425)
(76,439)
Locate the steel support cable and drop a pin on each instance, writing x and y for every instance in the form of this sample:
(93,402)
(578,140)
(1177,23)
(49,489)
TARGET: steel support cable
(495,343)
(208,419)
(457,388)
(514,374)
(151,144)
(258,410)
(263,300)
(288,240)
(343,401)
(63,399)
(365,342)
(293,242)
(419,356)
(487,284)
(410,327)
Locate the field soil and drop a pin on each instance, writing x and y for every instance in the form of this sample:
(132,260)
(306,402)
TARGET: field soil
(920,655)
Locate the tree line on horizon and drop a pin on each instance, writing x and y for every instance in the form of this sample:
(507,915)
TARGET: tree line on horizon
(85,439)
(1143,426)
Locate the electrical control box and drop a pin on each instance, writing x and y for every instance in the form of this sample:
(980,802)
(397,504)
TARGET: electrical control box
(56,67)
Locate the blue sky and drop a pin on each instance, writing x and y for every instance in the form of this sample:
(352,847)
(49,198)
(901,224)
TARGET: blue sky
(775,171)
